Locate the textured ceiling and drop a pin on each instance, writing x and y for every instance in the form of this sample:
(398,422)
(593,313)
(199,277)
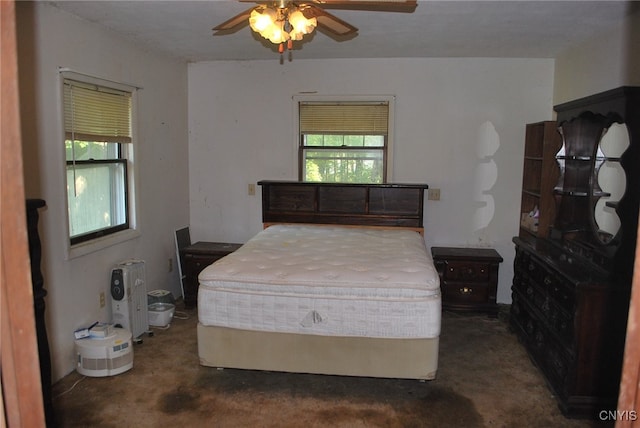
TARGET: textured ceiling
(520,29)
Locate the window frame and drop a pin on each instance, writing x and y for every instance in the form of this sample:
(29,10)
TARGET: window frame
(104,238)
(387,152)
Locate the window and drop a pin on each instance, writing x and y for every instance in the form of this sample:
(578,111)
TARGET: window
(343,142)
(97,122)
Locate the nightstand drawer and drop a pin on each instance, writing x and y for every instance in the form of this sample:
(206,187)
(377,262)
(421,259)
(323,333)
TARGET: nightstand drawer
(464,293)
(195,263)
(466,271)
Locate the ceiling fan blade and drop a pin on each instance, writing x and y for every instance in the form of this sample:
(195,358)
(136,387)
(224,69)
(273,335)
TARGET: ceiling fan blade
(328,21)
(406,6)
(240,19)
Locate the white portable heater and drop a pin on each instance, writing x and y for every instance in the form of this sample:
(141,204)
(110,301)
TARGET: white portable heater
(129,297)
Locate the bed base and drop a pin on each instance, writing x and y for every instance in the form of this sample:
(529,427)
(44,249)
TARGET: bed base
(224,347)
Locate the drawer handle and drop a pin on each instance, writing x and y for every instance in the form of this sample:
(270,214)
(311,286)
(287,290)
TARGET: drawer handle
(466,290)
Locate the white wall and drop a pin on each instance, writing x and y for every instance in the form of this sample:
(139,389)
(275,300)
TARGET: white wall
(604,62)
(459,126)
(49,39)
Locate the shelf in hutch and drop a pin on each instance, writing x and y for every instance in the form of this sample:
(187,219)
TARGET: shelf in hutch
(540,175)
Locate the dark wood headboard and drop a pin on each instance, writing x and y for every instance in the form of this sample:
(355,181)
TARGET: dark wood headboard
(395,205)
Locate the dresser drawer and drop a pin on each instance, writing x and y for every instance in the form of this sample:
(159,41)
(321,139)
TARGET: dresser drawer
(553,356)
(548,282)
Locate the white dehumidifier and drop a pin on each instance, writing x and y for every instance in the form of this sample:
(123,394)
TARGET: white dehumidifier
(161,307)
(161,314)
(105,356)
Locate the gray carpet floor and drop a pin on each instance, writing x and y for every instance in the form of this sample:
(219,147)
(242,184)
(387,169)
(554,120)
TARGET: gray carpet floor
(485,379)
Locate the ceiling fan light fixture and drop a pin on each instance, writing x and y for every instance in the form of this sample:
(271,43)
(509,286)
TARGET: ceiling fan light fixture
(262,19)
(280,24)
(281,21)
(277,35)
(301,24)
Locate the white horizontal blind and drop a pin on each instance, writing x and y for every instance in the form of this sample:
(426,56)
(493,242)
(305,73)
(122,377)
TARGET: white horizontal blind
(96,113)
(344,118)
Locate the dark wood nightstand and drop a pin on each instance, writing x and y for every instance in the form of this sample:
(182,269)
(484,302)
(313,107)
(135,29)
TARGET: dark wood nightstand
(197,257)
(468,278)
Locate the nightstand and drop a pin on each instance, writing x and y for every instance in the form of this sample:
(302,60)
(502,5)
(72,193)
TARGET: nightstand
(197,257)
(468,278)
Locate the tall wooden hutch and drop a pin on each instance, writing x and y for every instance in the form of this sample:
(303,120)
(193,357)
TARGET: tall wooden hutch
(572,276)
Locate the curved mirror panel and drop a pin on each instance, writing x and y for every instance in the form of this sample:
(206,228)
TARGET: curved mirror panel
(615,141)
(612,180)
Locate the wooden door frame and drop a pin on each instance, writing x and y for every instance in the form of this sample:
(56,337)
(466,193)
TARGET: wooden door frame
(21,393)
(628,414)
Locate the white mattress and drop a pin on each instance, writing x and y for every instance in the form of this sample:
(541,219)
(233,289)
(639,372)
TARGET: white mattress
(325,280)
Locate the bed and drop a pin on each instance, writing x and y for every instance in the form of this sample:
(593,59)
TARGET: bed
(338,282)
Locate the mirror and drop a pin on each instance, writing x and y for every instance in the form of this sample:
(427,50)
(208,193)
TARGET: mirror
(611,179)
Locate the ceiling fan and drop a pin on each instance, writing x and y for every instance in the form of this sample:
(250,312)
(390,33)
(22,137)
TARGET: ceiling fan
(283,21)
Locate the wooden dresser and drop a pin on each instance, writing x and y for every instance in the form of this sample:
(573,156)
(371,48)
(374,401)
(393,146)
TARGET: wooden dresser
(468,278)
(564,312)
(572,280)
(197,257)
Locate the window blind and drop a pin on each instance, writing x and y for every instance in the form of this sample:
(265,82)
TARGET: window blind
(96,113)
(344,118)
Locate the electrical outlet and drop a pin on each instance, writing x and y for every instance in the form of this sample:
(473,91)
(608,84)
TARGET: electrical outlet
(170,264)
(252,189)
(433,194)
(103,300)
